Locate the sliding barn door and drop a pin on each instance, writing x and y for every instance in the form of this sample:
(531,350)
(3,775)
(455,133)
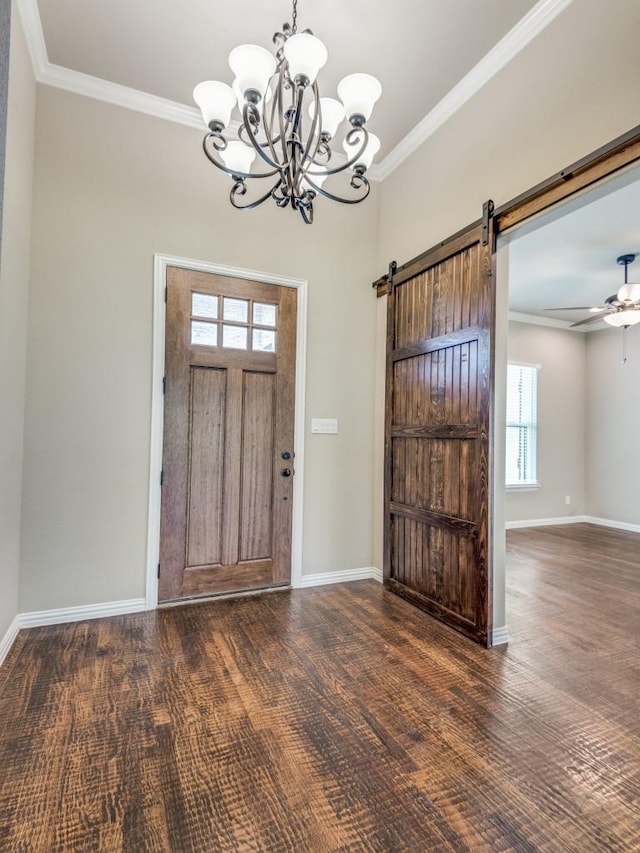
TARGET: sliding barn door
(438,403)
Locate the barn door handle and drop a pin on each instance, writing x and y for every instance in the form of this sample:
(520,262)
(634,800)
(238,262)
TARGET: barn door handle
(286,472)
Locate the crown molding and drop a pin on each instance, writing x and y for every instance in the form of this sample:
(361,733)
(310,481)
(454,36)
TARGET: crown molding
(45,72)
(121,96)
(32,26)
(78,83)
(535,320)
(539,17)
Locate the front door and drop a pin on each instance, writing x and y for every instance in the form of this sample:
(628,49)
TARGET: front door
(228,435)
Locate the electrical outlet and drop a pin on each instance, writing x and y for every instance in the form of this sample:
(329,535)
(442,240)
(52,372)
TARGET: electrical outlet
(567,500)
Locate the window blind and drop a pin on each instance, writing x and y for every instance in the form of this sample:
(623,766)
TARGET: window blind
(522,417)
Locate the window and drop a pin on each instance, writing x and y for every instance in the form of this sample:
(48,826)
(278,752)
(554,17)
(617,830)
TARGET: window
(238,331)
(522,416)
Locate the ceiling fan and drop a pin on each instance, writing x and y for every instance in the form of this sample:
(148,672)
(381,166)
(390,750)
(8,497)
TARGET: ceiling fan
(621,309)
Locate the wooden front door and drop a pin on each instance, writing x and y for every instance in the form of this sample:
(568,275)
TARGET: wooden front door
(439,381)
(228,435)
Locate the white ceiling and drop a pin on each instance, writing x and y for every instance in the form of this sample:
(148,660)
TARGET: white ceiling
(419,49)
(568,256)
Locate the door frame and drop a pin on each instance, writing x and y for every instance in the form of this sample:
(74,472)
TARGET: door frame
(160,264)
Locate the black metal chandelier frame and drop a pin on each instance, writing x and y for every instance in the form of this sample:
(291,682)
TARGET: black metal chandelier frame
(302,158)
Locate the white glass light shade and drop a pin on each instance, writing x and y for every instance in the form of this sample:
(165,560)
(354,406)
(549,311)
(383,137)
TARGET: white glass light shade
(306,55)
(623,318)
(358,93)
(238,157)
(331,112)
(629,293)
(216,100)
(253,66)
(240,95)
(366,158)
(318,180)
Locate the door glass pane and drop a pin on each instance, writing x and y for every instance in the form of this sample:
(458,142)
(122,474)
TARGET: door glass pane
(234,337)
(236,310)
(264,314)
(264,340)
(204,305)
(204,333)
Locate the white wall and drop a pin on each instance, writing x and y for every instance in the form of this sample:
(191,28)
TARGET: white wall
(561,448)
(112,188)
(14,280)
(613,419)
(567,93)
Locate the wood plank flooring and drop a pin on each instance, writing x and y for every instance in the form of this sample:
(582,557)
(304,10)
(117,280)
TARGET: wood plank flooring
(338,719)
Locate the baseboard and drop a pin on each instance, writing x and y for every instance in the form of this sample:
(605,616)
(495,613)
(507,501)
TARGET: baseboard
(618,525)
(500,636)
(547,522)
(368,573)
(7,641)
(77,614)
(573,519)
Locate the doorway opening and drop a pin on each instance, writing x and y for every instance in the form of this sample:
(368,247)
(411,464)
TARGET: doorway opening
(555,270)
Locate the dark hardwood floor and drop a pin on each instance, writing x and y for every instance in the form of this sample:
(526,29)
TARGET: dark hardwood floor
(338,719)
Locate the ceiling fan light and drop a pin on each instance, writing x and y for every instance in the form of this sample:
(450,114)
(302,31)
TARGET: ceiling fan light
(216,101)
(306,55)
(623,318)
(629,293)
(358,93)
(253,66)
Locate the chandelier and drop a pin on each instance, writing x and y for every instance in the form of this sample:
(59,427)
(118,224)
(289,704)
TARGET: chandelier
(286,125)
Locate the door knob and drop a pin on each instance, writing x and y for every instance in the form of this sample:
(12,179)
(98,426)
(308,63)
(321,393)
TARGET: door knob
(286,455)
(286,472)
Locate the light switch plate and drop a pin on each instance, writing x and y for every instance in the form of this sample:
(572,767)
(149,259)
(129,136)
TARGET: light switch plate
(327,426)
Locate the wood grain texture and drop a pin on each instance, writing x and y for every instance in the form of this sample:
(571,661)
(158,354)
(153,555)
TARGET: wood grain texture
(597,166)
(207,406)
(256,475)
(254,574)
(232,454)
(229,416)
(284,435)
(438,413)
(338,719)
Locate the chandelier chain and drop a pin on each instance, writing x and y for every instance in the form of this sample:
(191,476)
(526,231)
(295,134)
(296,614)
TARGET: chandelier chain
(294,17)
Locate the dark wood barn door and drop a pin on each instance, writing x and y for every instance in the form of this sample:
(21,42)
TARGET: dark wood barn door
(228,435)
(438,465)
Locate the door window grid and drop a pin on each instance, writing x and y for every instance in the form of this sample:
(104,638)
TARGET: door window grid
(231,327)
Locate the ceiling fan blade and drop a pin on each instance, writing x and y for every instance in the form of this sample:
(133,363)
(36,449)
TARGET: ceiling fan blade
(575,308)
(594,318)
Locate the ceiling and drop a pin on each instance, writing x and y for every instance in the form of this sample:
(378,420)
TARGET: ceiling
(419,49)
(568,256)
(425,52)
